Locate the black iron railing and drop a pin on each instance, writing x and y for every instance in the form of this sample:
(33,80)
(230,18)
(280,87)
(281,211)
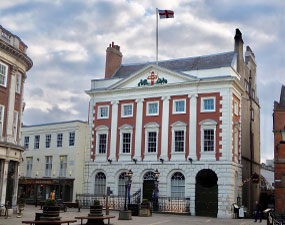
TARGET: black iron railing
(164,204)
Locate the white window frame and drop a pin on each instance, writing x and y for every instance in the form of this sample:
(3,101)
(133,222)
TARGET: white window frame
(37,144)
(174,109)
(208,124)
(2,110)
(178,126)
(59,142)
(236,107)
(203,106)
(151,127)
(26,142)
(123,115)
(126,128)
(48,166)
(99,117)
(62,165)
(18,83)
(29,166)
(147,108)
(71,140)
(5,75)
(101,130)
(48,141)
(15,125)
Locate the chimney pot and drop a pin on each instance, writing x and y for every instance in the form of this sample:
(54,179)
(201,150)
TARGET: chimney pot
(113,60)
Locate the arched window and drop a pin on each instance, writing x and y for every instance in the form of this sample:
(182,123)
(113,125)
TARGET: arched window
(149,176)
(178,185)
(122,185)
(100,184)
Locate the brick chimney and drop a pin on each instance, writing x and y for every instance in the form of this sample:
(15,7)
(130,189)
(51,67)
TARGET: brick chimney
(239,50)
(113,60)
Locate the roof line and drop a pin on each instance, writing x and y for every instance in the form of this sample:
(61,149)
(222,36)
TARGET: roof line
(54,123)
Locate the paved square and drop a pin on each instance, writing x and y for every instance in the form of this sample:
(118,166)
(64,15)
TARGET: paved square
(156,219)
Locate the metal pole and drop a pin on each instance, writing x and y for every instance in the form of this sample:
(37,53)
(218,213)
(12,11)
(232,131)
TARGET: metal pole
(156,36)
(125,207)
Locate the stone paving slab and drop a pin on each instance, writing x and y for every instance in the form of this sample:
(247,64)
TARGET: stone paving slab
(156,219)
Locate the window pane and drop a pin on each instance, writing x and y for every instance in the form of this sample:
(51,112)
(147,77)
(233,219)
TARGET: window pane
(180,106)
(153,108)
(59,140)
(208,104)
(103,112)
(126,142)
(151,141)
(71,138)
(179,141)
(178,185)
(102,143)
(100,184)
(121,186)
(128,110)
(208,140)
(48,140)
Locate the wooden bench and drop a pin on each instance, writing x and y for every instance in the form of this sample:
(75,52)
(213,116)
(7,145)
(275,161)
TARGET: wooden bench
(71,205)
(34,222)
(95,218)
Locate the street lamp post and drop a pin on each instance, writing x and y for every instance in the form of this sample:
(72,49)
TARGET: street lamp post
(126,214)
(156,175)
(128,181)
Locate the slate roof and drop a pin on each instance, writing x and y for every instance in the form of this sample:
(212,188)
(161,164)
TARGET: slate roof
(184,64)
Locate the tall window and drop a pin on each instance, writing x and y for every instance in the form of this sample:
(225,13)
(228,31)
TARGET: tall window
(29,166)
(103,112)
(102,143)
(15,125)
(152,108)
(37,142)
(179,140)
(18,83)
(152,139)
(63,165)
(48,140)
(26,142)
(59,140)
(178,185)
(100,184)
(126,142)
(71,138)
(208,104)
(1,119)
(209,140)
(48,166)
(122,185)
(3,74)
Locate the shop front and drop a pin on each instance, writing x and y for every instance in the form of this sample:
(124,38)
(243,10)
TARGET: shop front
(36,190)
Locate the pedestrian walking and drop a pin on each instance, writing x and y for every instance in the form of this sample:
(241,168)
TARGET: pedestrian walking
(257,213)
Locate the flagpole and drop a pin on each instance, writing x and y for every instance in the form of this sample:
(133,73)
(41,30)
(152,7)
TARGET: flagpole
(156,36)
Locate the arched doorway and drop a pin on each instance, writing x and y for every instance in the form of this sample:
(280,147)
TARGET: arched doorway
(148,185)
(206,201)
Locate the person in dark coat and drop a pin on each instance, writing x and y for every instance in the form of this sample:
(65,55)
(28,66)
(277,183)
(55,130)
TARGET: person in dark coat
(257,213)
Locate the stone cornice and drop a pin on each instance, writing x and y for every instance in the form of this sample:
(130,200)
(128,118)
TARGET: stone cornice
(10,145)
(20,56)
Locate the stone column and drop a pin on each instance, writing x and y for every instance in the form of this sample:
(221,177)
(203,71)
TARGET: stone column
(11,104)
(138,138)
(114,124)
(16,182)
(164,128)
(193,125)
(4,182)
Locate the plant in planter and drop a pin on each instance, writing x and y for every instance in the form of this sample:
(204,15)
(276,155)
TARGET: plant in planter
(50,210)
(144,208)
(21,205)
(96,209)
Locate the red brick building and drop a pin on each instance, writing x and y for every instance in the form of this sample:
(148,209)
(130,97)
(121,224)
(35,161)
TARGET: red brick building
(279,151)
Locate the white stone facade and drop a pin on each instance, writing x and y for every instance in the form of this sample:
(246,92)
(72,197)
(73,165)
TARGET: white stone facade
(74,153)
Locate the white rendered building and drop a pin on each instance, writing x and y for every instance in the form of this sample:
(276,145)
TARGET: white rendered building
(181,117)
(53,160)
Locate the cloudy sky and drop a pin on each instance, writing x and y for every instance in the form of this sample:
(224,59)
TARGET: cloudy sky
(67,40)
